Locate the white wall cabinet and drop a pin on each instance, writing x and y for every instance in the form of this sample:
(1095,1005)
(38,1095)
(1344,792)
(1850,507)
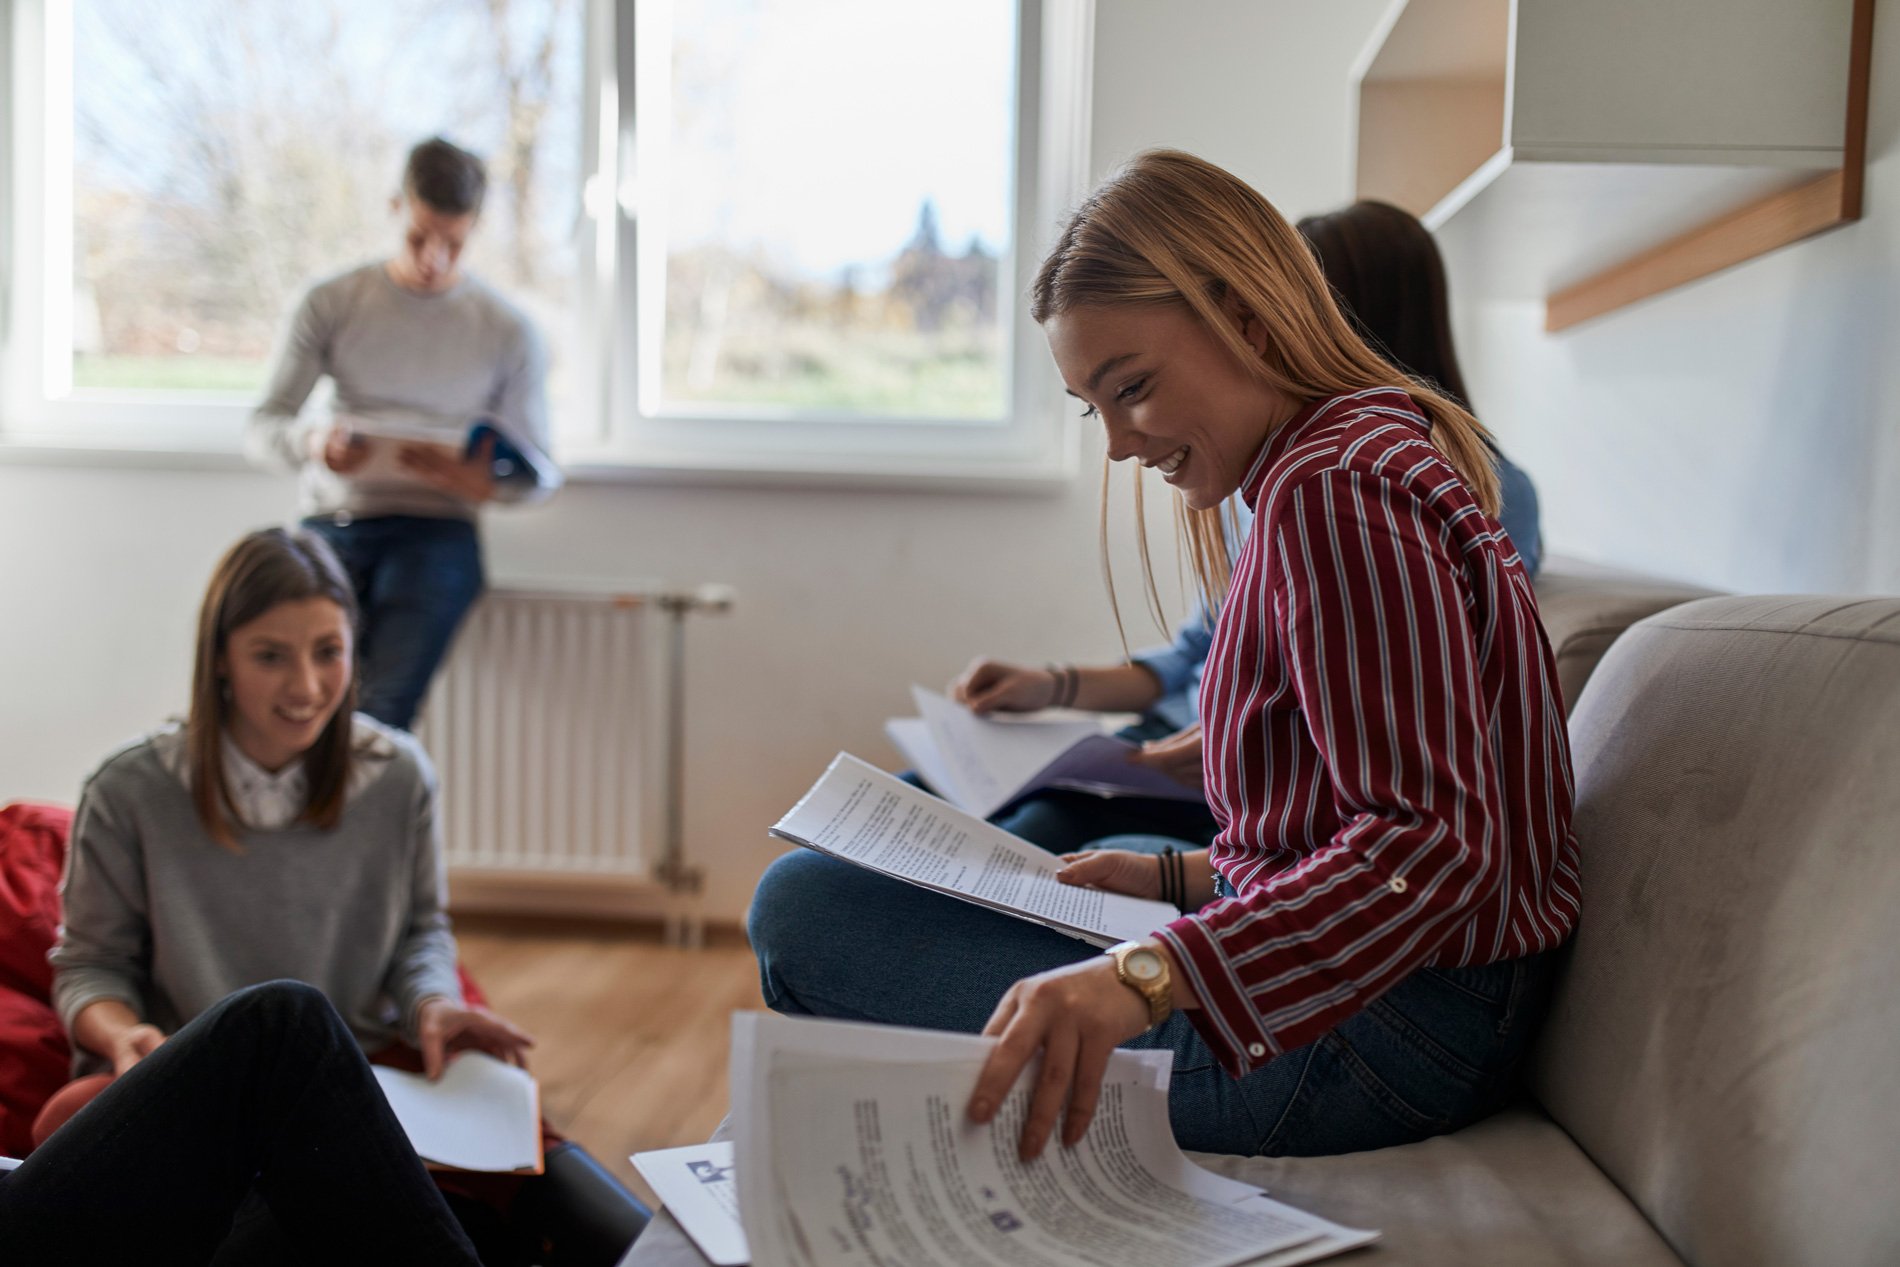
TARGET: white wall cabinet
(1592,152)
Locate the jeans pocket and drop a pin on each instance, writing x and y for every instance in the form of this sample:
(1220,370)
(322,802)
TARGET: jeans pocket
(1492,983)
(1348,1105)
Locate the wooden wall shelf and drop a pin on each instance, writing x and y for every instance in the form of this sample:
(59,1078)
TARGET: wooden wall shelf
(1593,155)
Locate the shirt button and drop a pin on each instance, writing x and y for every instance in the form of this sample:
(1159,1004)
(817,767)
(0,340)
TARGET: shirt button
(343,518)
(1256,1050)
(1398,884)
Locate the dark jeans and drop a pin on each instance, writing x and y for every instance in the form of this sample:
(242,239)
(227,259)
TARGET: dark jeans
(415,579)
(267,1094)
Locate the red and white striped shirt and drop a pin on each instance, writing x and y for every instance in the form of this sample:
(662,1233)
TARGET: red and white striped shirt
(1384,738)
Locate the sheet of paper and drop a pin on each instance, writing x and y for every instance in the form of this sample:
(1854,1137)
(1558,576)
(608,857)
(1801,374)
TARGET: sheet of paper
(861,814)
(481,1114)
(852,1147)
(695,1183)
(912,738)
(986,764)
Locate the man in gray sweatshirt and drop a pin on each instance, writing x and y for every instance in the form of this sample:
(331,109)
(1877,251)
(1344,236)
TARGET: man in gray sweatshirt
(440,407)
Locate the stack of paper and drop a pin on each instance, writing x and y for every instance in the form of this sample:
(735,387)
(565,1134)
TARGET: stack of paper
(852,1146)
(983,764)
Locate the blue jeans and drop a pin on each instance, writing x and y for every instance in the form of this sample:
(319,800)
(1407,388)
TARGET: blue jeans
(415,579)
(1439,1050)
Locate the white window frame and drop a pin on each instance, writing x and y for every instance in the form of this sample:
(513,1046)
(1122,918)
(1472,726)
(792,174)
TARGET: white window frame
(1035,445)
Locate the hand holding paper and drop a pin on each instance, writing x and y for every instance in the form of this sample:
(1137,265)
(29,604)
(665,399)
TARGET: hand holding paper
(481,1115)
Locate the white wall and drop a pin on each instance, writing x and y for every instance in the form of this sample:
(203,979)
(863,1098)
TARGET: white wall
(844,597)
(1743,431)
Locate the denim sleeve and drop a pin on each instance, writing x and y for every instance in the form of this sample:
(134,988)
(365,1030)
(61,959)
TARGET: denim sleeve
(1175,666)
(1520,513)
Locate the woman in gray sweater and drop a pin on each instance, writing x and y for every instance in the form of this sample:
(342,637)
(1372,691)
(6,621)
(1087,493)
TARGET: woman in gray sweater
(276,834)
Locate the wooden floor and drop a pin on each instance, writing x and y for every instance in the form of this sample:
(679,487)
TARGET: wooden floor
(630,1035)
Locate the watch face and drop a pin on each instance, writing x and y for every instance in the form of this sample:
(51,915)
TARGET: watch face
(1144,965)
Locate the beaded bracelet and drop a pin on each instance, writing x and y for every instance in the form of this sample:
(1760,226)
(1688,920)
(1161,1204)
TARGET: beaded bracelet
(1067,681)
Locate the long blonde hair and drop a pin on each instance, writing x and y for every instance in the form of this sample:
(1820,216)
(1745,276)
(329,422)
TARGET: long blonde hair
(1170,228)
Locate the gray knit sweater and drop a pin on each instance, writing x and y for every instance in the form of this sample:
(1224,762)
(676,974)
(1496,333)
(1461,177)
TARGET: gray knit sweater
(434,361)
(162,918)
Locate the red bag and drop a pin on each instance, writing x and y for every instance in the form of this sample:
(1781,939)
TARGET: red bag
(33,1050)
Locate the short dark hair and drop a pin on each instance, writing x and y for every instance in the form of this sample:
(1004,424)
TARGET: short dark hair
(446,177)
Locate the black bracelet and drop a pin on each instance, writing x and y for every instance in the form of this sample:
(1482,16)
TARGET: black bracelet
(1171,877)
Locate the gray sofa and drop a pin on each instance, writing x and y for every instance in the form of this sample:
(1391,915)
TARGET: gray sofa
(1717,1081)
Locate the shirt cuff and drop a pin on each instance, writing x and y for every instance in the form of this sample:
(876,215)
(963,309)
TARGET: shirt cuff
(412,1011)
(82,995)
(1226,1018)
(1171,668)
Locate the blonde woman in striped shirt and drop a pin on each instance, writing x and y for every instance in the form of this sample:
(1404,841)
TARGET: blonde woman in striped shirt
(1364,952)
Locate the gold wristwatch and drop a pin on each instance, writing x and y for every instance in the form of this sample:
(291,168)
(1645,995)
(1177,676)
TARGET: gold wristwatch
(1144,970)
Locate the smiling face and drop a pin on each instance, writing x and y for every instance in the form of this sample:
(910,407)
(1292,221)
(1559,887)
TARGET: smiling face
(432,243)
(1169,393)
(288,671)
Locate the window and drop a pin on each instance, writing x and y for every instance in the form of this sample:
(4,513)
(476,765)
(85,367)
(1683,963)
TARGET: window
(768,234)
(202,161)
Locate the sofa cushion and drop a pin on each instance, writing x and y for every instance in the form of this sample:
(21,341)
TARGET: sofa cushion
(1724,1040)
(1585,607)
(1512,1189)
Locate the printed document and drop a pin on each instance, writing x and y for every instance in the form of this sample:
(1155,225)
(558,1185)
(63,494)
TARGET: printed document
(861,814)
(982,764)
(853,1147)
(481,1114)
(695,1183)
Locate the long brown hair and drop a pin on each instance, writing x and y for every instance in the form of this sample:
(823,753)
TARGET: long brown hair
(266,568)
(1170,228)
(1389,279)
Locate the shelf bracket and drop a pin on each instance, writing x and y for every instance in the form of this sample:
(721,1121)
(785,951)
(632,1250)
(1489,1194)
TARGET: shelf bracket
(1756,229)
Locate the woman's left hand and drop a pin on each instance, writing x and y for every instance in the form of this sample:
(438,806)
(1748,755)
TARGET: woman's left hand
(443,1029)
(1075,1016)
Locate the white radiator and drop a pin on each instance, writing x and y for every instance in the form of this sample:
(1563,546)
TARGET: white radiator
(555,726)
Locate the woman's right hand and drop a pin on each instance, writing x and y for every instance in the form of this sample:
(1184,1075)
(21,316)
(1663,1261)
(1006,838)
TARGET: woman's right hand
(1115,870)
(132,1045)
(1178,756)
(991,686)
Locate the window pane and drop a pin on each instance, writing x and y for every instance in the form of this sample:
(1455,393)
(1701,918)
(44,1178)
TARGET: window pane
(838,196)
(226,153)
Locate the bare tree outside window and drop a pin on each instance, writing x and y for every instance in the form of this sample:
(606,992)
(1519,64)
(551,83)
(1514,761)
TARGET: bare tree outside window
(839,194)
(229,152)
